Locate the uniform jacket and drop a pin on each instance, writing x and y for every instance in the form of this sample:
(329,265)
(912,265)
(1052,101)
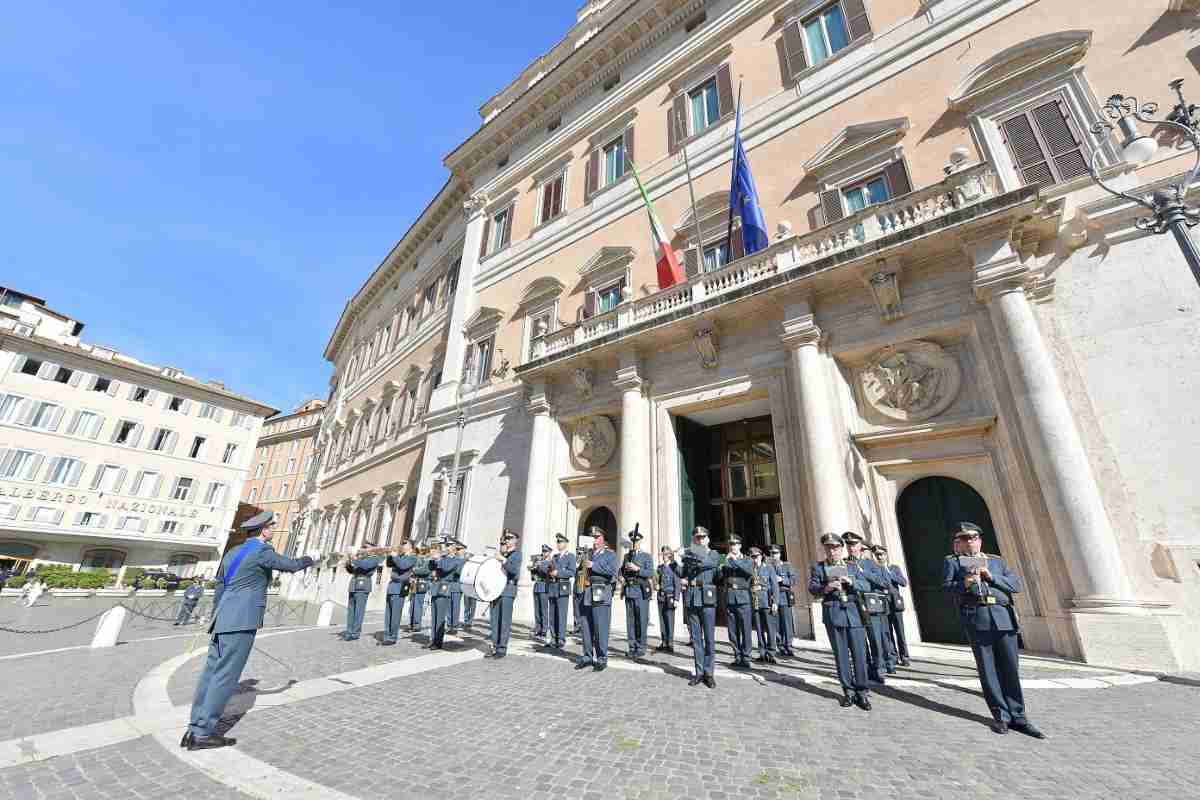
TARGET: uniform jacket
(896,576)
(541,575)
(445,576)
(788,581)
(512,569)
(633,589)
(768,593)
(833,611)
(402,567)
(737,572)
(701,575)
(875,574)
(421,571)
(604,568)
(566,565)
(362,572)
(980,615)
(241,605)
(193,593)
(668,583)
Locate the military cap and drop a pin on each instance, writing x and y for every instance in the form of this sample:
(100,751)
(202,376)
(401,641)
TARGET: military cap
(558,537)
(754,551)
(878,548)
(546,548)
(967,530)
(735,539)
(776,549)
(700,530)
(259,521)
(597,533)
(850,537)
(509,536)
(665,549)
(832,538)
(635,536)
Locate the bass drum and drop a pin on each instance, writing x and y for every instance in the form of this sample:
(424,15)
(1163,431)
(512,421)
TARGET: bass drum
(483,578)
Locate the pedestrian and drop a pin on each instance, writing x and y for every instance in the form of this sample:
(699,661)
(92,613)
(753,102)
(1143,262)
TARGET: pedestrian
(191,596)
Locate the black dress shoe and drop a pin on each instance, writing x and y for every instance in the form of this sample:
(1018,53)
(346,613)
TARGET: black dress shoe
(388,642)
(1027,729)
(904,662)
(846,701)
(695,679)
(999,727)
(500,655)
(583,664)
(738,665)
(771,659)
(709,682)
(862,702)
(211,742)
(599,667)
(186,740)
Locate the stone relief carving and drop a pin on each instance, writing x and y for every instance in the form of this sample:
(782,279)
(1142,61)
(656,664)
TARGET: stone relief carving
(593,442)
(911,382)
(706,347)
(584,380)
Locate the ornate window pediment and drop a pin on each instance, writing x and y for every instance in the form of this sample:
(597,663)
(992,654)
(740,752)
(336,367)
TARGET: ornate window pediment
(540,290)
(484,319)
(856,142)
(1021,63)
(608,259)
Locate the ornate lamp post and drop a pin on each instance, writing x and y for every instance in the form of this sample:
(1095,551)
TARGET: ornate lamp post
(1169,211)
(453,500)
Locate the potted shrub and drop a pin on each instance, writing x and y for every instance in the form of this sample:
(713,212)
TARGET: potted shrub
(148,587)
(14,586)
(110,587)
(76,584)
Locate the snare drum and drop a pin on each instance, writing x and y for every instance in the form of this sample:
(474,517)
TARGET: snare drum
(483,578)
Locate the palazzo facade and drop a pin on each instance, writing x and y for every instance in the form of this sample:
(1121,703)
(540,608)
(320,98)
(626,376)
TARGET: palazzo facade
(951,321)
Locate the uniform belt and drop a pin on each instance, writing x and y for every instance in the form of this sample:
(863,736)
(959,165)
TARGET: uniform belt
(737,583)
(596,580)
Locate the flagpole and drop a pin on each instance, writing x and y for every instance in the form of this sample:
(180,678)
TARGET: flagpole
(687,167)
(737,128)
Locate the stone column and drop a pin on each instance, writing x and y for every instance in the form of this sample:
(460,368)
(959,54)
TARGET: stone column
(635,450)
(541,442)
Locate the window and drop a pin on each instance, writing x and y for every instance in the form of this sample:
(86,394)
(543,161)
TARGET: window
(45,514)
(209,411)
(716,256)
(102,559)
(539,327)
(21,465)
(283,492)
(239,420)
(704,107)
(140,394)
(308,459)
(266,492)
(479,361)
(108,478)
(45,416)
(132,524)
(146,484)
(501,230)
(10,407)
(64,471)
(551,204)
(867,193)
(91,519)
(215,494)
(452,278)
(1044,147)
(253,494)
(825,33)
(63,375)
(230,451)
(258,471)
(862,193)
(183,565)
(31,366)
(609,297)
(182,490)
(168,526)
(163,440)
(428,298)
(127,433)
(86,423)
(818,37)
(204,531)
(9,510)
(197,448)
(291,466)
(101,384)
(178,404)
(612,161)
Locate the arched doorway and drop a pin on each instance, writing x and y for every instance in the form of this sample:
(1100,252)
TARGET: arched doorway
(602,518)
(927,511)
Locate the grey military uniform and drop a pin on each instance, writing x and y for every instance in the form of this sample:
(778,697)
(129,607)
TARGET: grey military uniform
(191,596)
(362,578)
(637,600)
(397,590)
(736,575)
(844,625)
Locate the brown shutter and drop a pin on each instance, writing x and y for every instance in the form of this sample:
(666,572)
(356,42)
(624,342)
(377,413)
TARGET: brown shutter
(724,91)
(1027,151)
(556,208)
(691,261)
(1055,127)
(677,130)
(589,304)
(593,173)
(737,246)
(628,141)
(793,48)
(831,204)
(856,19)
(508,219)
(897,178)
(483,243)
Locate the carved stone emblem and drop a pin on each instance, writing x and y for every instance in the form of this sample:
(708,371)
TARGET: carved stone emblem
(911,382)
(593,442)
(584,380)
(706,347)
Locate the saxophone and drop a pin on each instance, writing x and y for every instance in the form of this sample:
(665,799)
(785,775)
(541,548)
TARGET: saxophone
(582,554)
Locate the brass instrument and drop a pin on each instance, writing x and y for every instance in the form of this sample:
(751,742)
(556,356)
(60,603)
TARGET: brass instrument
(621,582)
(582,555)
(755,588)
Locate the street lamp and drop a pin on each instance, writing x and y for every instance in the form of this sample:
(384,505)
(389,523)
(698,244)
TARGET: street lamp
(1169,211)
(453,501)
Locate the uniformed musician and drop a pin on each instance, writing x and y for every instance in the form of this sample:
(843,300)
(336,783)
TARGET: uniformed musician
(788,582)
(764,604)
(458,550)
(238,607)
(539,573)
(843,622)
(989,619)
(418,588)
(602,570)
(668,598)
(362,578)
(699,585)
(561,587)
(402,562)
(445,575)
(736,574)
(637,570)
(893,630)
(502,607)
(876,604)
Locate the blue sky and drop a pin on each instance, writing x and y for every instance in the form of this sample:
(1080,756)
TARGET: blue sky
(204,185)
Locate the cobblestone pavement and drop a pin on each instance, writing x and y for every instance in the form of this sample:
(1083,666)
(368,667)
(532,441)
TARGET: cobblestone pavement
(135,769)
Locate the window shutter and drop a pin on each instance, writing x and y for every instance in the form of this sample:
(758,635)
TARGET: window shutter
(97,424)
(135,435)
(96,478)
(47,371)
(24,416)
(856,19)
(7,455)
(172,440)
(435,505)
(78,517)
(483,242)
(737,245)
(1026,151)
(35,464)
(120,482)
(103,521)
(725,98)
(589,304)
(54,462)
(831,205)
(628,142)
(559,185)
(112,388)
(75,379)
(897,178)
(75,473)
(19,363)
(466,370)
(1055,127)
(58,515)
(676,122)
(187,406)
(55,419)
(151,396)
(508,220)
(793,48)
(592,179)
(157,485)
(691,261)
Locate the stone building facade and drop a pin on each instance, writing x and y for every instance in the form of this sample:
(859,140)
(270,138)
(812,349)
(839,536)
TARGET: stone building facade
(107,462)
(951,321)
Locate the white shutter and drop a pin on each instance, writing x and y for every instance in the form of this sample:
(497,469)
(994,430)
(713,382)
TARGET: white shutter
(50,470)
(91,382)
(186,407)
(58,515)
(218,415)
(103,522)
(55,419)
(135,435)
(151,396)
(31,512)
(113,386)
(120,480)
(13,508)
(25,414)
(75,473)
(157,485)
(19,363)
(79,517)
(35,464)
(48,370)
(96,478)
(7,454)
(172,440)
(97,424)
(76,378)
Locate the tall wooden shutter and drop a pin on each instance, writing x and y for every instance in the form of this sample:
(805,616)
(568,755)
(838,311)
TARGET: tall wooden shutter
(737,245)
(897,178)
(589,304)
(793,48)
(679,129)
(856,19)
(435,506)
(691,261)
(831,205)
(35,465)
(1055,127)
(1027,151)
(483,242)
(627,138)
(592,178)
(724,91)
(508,220)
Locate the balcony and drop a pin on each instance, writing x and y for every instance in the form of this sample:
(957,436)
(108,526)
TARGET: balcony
(960,196)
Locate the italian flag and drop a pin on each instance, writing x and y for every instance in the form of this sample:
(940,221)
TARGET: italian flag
(669,271)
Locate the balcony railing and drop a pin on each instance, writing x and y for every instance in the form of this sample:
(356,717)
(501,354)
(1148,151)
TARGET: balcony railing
(787,254)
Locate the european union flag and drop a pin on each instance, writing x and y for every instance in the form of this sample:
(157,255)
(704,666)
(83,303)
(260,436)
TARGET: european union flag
(743,197)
